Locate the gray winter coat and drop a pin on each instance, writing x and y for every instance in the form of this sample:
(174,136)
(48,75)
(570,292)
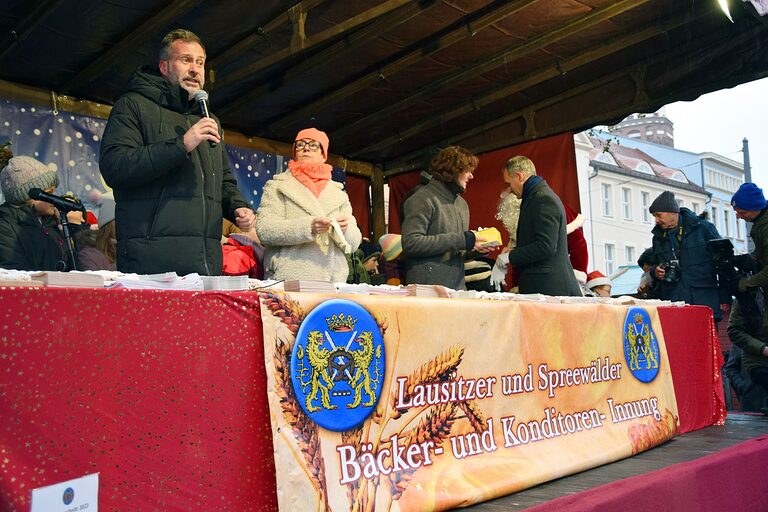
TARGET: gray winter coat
(435,236)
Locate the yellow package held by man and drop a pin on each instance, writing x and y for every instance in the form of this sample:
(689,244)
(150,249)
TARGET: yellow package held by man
(491,236)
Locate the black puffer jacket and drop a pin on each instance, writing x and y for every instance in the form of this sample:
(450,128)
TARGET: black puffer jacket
(169,203)
(27,243)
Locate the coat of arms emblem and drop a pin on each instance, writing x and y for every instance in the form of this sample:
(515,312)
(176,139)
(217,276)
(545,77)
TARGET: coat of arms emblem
(337,366)
(641,348)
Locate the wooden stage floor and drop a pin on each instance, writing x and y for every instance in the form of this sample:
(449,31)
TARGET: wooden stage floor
(690,446)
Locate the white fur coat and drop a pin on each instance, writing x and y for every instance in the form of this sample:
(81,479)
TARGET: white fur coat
(284,226)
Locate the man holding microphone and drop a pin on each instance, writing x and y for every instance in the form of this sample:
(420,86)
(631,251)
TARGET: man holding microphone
(171,187)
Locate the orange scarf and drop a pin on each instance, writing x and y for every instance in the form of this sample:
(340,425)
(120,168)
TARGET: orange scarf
(313,175)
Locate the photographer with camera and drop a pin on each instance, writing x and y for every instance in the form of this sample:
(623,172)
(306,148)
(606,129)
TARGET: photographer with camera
(681,262)
(749,331)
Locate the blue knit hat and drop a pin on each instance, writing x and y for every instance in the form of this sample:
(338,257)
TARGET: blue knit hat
(749,197)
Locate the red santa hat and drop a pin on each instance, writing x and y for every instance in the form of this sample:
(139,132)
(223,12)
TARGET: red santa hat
(596,278)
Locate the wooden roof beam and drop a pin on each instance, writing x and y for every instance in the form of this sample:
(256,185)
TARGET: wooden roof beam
(713,45)
(136,36)
(493,61)
(540,75)
(300,44)
(259,34)
(350,42)
(454,34)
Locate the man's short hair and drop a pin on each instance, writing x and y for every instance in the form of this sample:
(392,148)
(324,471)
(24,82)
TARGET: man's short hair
(521,164)
(180,34)
(451,162)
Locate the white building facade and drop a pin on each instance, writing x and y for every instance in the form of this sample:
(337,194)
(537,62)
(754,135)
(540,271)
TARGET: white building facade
(615,192)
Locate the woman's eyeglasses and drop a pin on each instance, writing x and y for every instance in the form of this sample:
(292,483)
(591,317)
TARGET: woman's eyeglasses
(312,145)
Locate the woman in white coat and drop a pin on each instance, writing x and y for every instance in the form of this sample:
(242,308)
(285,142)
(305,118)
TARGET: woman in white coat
(305,219)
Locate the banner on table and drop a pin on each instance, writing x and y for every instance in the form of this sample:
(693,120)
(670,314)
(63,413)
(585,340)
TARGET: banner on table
(383,403)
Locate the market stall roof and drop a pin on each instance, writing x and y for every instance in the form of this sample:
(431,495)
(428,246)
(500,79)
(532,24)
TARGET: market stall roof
(389,80)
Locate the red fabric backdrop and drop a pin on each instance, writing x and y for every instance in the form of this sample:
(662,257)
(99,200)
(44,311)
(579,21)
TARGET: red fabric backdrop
(555,160)
(360,197)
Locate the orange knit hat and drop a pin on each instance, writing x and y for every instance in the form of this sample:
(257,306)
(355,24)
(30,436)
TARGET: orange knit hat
(315,134)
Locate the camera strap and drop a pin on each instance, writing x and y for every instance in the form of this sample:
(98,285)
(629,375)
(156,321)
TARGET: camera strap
(675,240)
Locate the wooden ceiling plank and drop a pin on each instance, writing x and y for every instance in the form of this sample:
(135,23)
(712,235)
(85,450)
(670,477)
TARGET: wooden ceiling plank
(353,41)
(540,75)
(246,72)
(458,32)
(716,43)
(259,35)
(493,61)
(34,17)
(136,37)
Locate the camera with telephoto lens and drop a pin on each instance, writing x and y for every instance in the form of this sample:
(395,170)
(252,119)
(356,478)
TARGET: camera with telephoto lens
(671,271)
(729,269)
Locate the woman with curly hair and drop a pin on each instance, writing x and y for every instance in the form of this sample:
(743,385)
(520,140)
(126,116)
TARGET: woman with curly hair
(435,229)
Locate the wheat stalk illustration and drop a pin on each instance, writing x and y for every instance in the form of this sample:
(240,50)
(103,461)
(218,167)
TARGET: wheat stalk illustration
(474,415)
(438,369)
(435,427)
(353,437)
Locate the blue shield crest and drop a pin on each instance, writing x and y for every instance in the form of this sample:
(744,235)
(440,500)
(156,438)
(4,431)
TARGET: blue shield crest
(337,364)
(641,348)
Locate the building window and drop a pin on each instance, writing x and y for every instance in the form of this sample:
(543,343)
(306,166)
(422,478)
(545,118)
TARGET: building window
(610,251)
(626,203)
(606,196)
(727,223)
(681,203)
(645,200)
(715,220)
(696,208)
(629,255)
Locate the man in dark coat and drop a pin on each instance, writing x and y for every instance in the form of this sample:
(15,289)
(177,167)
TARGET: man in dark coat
(681,260)
(541,255)
(169,169)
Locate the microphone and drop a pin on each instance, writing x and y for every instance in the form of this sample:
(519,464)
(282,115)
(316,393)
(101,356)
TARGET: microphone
(201,97)
(59,202)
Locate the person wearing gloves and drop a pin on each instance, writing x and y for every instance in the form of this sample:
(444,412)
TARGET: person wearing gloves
(541,253)
(305,219)
(435,229)
(30,238)
(748,333)
(508,211)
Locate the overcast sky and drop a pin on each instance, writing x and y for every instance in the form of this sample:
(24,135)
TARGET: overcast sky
(719,121)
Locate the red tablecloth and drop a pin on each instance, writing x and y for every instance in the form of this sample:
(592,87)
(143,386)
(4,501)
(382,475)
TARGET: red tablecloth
(164,395)
(696,363)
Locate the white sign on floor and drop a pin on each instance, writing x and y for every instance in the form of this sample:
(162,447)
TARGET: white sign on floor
(70,496)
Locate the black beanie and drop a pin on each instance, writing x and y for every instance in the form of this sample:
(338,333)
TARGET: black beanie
(666,202)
